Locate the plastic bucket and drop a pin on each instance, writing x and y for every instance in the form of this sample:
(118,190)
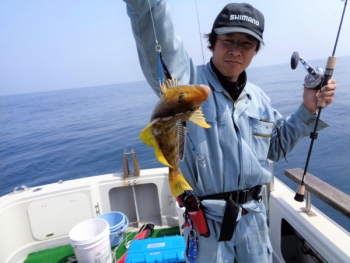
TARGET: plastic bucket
(90,241)
(180,213)
(118,223)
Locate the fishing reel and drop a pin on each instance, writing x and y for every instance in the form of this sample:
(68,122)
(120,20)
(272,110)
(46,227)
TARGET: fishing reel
(312,80)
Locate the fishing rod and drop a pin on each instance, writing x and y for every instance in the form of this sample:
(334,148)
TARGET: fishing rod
(316,79)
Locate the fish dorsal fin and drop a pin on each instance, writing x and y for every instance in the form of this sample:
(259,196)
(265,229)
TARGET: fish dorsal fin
(168,84)
(163,88)
(181,132)
(197,118)
(148,138)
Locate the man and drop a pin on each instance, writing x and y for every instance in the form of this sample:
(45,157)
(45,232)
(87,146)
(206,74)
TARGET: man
(245,129)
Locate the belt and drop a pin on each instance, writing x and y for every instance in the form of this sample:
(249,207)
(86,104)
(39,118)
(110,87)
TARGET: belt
(232,209)
(239,197)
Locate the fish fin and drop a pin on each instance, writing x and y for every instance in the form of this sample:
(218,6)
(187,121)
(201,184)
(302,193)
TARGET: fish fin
(168,84)
(148,138)
(163,88)
(197,118)
(172,83)
(178,184)
(181,132)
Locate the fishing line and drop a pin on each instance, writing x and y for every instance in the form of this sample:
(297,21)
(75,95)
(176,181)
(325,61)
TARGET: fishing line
(162,68)
(313,81)
(200,32)
(154,29)
(197,152)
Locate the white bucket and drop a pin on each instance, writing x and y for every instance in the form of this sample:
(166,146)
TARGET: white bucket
(180,211)
(90,241)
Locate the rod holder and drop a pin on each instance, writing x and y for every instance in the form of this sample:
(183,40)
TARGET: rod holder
(135,162)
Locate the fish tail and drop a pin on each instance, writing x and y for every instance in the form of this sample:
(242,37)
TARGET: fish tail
(178,183)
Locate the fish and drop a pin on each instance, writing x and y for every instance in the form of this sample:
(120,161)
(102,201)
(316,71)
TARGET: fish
(166,132)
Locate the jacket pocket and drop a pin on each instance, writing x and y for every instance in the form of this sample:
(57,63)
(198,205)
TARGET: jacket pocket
(261,131)
(216,146)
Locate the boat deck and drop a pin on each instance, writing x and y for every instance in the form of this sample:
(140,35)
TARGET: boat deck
(62,254)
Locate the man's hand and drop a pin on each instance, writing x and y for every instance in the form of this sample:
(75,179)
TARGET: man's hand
(312,96)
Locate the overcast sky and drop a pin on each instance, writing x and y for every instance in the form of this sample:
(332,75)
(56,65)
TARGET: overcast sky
(62,44)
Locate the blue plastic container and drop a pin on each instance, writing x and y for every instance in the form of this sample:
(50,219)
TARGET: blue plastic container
(118,223)
(159,250)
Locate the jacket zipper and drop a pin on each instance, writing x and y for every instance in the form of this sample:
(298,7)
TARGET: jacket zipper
(235,101)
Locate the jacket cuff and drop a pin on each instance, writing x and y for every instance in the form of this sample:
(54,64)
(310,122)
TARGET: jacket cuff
(309,118)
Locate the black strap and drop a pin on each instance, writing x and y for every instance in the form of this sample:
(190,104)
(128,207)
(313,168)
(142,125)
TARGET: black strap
(229,221)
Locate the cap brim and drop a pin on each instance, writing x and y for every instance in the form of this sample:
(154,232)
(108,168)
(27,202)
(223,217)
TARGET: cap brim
(227,30)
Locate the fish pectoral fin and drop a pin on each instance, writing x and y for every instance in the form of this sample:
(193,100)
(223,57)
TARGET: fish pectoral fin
(197,118)
(160,156)
(148,138)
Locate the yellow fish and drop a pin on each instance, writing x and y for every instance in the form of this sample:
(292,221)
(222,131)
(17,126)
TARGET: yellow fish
(166,133)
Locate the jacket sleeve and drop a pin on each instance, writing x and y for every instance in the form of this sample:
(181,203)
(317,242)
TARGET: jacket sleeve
(173,52)
(291,131)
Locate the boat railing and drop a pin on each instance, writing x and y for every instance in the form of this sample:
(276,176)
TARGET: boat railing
(332,196)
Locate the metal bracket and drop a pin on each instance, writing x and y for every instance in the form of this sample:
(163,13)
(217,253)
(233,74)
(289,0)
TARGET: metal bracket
(135,162)
(97,209)
(307,208)
(171,199)
(309,213)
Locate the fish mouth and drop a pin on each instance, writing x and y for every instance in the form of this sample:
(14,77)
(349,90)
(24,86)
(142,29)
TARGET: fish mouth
(204,89)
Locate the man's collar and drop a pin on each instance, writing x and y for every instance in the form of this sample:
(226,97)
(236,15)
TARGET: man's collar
(233,88)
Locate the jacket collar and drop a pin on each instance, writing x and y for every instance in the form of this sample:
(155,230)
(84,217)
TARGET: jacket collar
(219,83)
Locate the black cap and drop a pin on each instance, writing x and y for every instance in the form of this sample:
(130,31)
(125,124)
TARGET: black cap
(240,18)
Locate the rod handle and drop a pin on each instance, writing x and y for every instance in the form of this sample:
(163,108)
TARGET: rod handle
(331,62)
(299,195)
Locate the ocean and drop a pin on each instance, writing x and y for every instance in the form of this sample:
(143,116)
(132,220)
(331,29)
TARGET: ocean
(68,134)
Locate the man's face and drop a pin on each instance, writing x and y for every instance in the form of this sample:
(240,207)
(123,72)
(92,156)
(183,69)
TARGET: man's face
(233,53)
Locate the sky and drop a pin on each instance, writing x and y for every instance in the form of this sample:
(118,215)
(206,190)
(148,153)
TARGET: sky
(62,44)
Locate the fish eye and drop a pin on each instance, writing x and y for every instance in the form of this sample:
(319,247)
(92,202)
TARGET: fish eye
(181,96)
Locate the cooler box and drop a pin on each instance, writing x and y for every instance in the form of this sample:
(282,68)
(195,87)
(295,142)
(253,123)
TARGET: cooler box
(157,250)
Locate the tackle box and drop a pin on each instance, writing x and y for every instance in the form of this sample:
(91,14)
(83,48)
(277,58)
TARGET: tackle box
(168,249)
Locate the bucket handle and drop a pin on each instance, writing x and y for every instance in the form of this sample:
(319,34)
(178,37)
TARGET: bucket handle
(121,232)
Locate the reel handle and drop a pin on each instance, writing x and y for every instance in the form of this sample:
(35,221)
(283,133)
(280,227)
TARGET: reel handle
(331,62)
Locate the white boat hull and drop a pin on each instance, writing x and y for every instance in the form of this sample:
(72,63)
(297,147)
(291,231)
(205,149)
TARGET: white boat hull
(35,220)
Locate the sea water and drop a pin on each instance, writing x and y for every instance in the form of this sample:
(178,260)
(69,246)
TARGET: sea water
(68,134)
